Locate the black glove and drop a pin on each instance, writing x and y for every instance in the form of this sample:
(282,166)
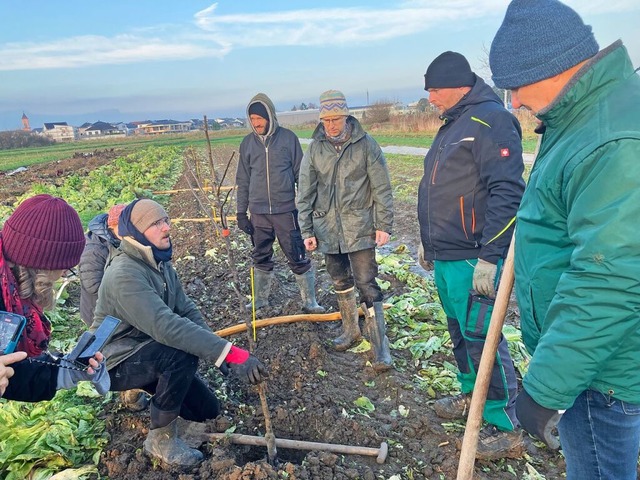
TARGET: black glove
(538,420)
(252,370)
(244,223)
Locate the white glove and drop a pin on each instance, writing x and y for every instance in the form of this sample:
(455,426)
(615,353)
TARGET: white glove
(68,378)
(484,277)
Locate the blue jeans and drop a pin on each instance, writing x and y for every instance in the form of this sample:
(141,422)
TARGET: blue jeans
(600,438)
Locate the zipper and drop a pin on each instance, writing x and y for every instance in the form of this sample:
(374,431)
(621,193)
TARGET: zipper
(266,151)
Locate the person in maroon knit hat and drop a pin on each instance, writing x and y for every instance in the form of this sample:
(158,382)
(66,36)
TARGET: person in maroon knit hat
(38,242)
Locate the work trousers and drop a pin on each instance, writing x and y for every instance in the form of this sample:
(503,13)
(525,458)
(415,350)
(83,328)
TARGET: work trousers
(170,376)
(284,227)
(600,438)
(355,268)
(468,317)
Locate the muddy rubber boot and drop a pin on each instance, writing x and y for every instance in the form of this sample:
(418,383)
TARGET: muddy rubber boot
(379,341)
(350,321)
(261,288)
(164,444)
(307,284)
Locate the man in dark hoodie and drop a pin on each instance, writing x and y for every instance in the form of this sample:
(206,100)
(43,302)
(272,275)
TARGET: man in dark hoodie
(266,180)
(467,201)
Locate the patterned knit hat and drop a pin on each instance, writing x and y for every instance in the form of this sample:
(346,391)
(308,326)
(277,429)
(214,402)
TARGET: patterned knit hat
(114,216)
(145,213)
(449,70)
(538,39)
(333,103)
(44,232)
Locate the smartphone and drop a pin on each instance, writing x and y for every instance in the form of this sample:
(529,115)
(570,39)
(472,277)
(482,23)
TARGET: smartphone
(90,343)
(11,326)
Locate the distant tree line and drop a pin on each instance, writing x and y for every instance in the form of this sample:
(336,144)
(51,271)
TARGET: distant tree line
(21,139)
(304,106)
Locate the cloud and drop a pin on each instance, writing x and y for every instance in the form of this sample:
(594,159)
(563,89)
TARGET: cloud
(214,35)
(91,50)
(337,26)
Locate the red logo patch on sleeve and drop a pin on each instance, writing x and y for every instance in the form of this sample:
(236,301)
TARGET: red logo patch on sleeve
(504,152)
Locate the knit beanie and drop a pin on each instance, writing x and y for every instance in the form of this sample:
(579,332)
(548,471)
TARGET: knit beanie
(449,70)
(114,216)
(333,103)
(538,39)
(258,108)
(145,213)
(44,232)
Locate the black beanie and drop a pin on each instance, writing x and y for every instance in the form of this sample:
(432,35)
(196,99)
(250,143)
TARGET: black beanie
(258,108)
(449,70)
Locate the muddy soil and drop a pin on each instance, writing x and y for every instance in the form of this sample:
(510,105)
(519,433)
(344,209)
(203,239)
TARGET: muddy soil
(311,389)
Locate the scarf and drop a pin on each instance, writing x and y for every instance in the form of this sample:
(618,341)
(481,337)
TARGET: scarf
(36,334)
(341,139)
(126,228)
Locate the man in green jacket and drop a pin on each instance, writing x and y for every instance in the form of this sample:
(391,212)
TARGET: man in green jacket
(345,210)
(577,261)
(162,335)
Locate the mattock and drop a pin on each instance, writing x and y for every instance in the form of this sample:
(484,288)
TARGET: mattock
(380,453)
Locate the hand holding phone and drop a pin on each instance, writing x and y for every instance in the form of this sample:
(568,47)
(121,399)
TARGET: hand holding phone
(91,343)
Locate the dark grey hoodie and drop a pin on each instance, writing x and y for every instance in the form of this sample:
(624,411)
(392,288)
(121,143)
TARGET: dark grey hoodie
(268,167)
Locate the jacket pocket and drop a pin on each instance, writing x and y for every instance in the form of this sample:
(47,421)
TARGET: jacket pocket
(467,218)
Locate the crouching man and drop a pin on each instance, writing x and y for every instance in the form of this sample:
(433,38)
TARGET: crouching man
(162,335)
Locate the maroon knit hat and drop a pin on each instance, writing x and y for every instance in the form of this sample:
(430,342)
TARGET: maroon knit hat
(44,232)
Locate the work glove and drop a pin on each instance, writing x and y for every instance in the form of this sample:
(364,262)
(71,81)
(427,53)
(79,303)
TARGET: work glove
(244,223)
(484,277)
(68,378)
(246,366)
(538,420)
(427,265)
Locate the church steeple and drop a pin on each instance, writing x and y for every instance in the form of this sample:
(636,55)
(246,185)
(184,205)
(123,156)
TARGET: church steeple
(25,123)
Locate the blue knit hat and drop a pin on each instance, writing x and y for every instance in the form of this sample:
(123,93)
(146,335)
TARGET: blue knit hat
(538,39)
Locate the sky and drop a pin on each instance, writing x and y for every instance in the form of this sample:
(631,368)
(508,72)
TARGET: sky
(80,61)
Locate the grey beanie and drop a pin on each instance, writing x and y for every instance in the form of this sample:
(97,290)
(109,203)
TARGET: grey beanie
(538,39)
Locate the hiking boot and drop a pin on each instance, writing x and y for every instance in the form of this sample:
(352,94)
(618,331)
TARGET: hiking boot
(453,408)
(494,444)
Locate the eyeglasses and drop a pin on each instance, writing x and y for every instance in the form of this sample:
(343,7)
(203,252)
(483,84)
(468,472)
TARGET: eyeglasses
(160,223)
(69,273)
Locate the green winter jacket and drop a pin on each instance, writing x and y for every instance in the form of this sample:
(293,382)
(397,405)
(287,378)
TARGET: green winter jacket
(577,255)
(343,198)
(152,305)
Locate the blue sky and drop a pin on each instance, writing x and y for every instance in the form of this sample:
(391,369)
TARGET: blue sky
(82,61)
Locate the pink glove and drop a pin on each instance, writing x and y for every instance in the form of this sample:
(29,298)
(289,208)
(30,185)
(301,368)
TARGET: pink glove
(236,355)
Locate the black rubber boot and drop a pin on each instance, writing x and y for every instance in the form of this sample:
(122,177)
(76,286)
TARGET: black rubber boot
(307,284)
(261,288)
(379,341)
(164,444)
(350,325)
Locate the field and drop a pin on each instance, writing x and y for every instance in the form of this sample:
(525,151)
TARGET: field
(313,393)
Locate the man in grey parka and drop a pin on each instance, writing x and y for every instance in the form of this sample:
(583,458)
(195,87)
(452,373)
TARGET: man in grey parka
(345,208)
(266,180)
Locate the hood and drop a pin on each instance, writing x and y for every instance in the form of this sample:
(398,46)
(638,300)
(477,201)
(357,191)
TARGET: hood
(271,111)
(98,226)
(479,93)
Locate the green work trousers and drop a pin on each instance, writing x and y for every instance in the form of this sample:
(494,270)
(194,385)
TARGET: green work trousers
(468,317)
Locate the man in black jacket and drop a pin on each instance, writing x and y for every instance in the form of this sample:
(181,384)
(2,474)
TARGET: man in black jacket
(467,201)
(267,175)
